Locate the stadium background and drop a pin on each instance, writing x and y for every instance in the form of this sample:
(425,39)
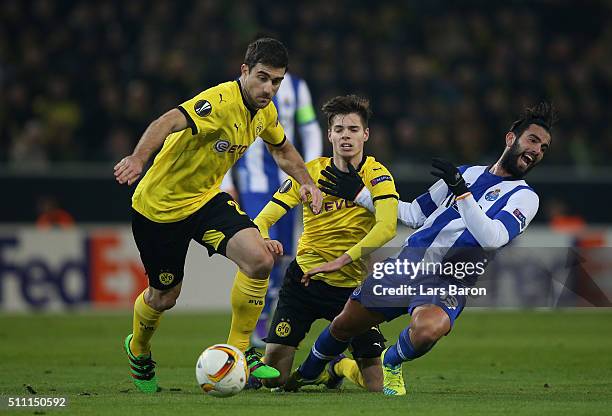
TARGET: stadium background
(81,80)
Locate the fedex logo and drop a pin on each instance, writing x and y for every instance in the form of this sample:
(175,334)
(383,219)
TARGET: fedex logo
(45,271)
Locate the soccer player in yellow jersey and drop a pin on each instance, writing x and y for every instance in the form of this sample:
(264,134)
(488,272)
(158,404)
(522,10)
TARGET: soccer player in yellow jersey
(338,238)
(179,199)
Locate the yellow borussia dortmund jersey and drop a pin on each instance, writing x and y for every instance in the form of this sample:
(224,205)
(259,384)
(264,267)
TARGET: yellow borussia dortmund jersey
(340,225)
(189,168)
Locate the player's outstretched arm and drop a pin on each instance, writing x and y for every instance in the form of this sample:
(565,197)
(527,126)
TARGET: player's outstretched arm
(268,216)
(129,168)
(286,198)
(383,231)
(513,219)
(290,161)
(350,186)
(491,233)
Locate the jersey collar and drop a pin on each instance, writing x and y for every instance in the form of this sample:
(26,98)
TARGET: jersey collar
(503,178)
(359,166)
(244,101)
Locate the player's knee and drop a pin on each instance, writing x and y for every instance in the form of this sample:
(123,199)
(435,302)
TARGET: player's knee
(260,265)
(425,336)
(340,329)
(429,324)
(429,331)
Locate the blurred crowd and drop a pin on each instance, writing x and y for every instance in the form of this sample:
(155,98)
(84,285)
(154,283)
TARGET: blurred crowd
(81,80)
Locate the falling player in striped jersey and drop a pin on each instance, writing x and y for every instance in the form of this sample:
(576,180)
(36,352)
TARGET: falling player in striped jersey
(482,207)
(258,177)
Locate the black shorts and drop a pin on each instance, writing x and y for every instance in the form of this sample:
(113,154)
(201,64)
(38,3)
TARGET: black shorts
(163,246)
(299,306)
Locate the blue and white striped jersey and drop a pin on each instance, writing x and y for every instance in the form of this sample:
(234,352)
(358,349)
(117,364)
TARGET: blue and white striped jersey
(256,171)
(498,210)
(511,202)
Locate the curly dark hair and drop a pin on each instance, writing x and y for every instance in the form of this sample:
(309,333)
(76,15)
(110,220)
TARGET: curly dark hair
(347,104)
(543,114)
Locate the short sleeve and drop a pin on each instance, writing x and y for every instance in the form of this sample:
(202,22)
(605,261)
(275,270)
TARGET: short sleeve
(288,194)
(201,115)
(379,182)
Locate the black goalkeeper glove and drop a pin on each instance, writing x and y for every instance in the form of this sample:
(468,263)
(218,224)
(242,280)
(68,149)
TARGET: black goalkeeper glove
(341,184)
(449,174)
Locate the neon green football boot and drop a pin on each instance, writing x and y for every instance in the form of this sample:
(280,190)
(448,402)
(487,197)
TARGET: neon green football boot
(142,369)
(393,380)
(257,368)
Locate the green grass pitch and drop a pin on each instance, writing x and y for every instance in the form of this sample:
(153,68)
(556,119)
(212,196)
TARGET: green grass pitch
(494,363)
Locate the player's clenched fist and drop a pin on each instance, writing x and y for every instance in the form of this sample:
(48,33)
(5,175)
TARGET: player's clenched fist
(128,169)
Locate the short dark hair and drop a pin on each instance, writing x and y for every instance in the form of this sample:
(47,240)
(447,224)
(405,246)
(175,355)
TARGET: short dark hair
(347,104)
(543,115)
(267,51)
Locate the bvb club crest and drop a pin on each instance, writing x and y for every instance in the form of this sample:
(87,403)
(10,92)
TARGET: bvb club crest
(166,278)
(283,329)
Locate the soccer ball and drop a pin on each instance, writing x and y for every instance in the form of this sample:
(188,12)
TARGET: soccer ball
(221,370)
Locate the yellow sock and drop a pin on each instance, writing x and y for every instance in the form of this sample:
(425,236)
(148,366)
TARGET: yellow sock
(146,321)
(349,369)
(248,298)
